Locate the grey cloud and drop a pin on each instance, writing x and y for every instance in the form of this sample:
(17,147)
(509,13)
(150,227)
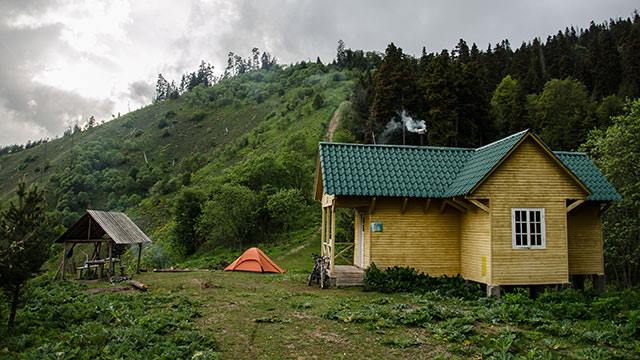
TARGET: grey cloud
(29,108)
(141,92)
(290,30)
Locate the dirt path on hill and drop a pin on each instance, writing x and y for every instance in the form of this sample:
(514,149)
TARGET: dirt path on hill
(335,120)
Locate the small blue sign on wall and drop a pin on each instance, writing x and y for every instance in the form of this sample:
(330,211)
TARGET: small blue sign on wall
(376,227)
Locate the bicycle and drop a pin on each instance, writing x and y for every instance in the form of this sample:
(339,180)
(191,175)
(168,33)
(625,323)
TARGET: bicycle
(319,272)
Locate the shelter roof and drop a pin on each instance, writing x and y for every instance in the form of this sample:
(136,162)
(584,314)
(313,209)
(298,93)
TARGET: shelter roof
(96,225)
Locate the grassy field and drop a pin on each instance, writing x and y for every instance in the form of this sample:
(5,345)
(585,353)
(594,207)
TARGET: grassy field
(214,314)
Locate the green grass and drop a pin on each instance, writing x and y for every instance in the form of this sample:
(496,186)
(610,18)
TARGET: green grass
(266,316)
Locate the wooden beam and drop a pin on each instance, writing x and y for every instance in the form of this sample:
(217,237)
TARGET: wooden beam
(327,233)
(574,205)
(426,205)
(453,205)
(327,200)
(322,232)
(139,255)
(341,252)
(352,202)
(333,239)
(86,241)
(111,259)
(64,256)
(372,207)
(479,204)
(603,208)
(404,205)
(461,203)
(138,285)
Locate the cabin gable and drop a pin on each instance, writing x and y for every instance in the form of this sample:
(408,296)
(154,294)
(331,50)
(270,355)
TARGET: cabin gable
(529,178)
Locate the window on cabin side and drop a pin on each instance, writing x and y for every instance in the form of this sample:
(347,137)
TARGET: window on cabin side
(528,229)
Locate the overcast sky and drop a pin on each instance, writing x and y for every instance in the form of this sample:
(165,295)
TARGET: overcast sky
(63,61)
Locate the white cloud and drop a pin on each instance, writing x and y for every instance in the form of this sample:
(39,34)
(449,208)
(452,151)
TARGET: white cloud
(66,60)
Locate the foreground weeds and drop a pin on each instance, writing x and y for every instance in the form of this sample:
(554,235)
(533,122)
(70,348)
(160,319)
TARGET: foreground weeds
(555,325)
(61,320)
(262,316)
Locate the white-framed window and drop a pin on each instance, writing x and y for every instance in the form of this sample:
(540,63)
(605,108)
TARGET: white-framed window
(527,228)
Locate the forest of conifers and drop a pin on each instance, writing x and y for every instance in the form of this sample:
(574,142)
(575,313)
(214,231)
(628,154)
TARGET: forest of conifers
(561,87)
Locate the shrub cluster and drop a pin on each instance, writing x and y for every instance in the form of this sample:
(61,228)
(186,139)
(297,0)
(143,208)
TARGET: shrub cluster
(405,279)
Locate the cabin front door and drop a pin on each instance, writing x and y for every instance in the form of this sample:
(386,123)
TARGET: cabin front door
(361,247)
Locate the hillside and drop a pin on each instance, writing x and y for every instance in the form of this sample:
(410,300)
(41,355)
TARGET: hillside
(138,162)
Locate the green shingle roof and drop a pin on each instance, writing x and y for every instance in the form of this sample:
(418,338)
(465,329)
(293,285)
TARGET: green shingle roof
(432,172)
(582,166)
(387,170)
(481,163)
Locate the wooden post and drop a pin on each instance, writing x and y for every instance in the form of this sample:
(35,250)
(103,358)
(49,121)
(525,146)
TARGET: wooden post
(327,235)
(139,255)
(64,256)
(333,237)
(493,291)
(322,234)
(110,258)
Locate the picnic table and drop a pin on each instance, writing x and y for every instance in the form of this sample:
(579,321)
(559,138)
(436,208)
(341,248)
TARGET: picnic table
(98,265)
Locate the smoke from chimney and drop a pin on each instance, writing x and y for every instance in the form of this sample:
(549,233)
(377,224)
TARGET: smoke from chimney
(406,123)
(414,126)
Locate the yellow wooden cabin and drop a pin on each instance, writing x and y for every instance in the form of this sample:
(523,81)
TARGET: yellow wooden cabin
(512,212)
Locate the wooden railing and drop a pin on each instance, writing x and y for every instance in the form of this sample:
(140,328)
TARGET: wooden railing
(346,246)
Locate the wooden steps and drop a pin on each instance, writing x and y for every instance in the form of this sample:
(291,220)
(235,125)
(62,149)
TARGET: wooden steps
(347,275)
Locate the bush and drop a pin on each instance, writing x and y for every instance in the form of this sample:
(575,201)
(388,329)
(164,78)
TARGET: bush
(187,211)
(170,114)
(198,116)
(318,102)
(343,136)
(405,279)
(228,217)
(285,207)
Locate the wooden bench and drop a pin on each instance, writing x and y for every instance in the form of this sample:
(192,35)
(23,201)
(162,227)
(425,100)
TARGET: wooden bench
(87,269)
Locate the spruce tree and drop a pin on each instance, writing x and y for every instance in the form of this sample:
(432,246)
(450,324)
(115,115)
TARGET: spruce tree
(341,57)
(25,239)
(395,89)
(441,114)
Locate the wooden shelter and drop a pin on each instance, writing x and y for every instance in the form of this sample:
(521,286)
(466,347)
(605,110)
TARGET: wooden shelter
(102,228)
(512,212)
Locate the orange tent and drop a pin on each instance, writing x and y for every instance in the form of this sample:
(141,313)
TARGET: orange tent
(254,260)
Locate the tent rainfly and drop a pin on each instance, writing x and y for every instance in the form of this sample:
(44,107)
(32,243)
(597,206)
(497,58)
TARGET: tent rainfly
(254,260)
(98,227)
